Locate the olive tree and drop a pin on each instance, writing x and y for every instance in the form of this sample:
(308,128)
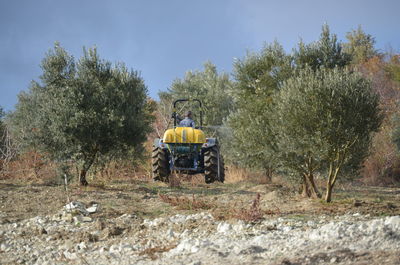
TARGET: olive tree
(323,123)
(258,77)
(360,45)
(211,87)
(326,52)
(87,111)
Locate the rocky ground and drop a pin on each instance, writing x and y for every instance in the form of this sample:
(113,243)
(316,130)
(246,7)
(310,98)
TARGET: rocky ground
(142,227)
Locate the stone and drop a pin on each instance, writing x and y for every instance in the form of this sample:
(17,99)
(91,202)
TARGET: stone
(82,219)
(69,255)
(224,228)
(4,247)
(393,222)
(68,217)
(170,233)
(76,206)
(92,209)
(82,245)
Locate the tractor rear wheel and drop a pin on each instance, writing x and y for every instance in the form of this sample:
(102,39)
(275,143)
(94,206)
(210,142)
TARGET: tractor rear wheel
(160,165)
(211,157)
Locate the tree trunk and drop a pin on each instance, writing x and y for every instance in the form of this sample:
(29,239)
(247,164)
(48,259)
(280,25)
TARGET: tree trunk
(85,168)
(328,195)
(305,189)
(309,188)
(332,176)
(82,177)
(268,174)
(314,189)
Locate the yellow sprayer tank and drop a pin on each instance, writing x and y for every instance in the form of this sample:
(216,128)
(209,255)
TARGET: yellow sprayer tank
(187,135)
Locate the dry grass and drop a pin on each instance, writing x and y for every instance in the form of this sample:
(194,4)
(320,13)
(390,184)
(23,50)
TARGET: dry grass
(29,166)
(33,167)
(174,181)
(234,174)
(253,213)
(185,203)
(152,252)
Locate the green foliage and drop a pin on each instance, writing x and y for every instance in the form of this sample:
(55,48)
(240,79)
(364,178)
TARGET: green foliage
(258,78)
(393,68)
(88,112)
(360,46)
(396,131)
(323,122)
(211,88)
(2,131)
(2,113)
(326,52)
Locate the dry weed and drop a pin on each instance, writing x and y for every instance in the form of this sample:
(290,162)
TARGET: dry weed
(174,181)
(185,203)
(236,174)
(252,214)
(152,252)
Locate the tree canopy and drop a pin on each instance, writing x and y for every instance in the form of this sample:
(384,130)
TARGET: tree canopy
(258,77)
(326,52)
(212,88)
(88,111)
(360,46)
(323,123)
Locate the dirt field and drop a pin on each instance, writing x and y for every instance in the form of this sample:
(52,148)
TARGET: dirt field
(146,200)
(20,200)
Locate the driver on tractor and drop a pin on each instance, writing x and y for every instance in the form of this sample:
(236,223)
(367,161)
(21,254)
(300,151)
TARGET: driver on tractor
(187,121)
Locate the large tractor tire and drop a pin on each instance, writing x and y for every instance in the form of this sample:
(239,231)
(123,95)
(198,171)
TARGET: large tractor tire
(160,165)
(211,165)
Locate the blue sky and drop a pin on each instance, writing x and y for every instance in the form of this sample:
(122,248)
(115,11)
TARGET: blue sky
(165,38)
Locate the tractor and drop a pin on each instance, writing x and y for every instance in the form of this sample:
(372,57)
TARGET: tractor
(187,150)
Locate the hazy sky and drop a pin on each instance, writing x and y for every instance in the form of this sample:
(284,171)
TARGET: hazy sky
(165,38)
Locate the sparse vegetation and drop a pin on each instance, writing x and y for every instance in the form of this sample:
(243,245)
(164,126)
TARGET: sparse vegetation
(185,203)
(253,214)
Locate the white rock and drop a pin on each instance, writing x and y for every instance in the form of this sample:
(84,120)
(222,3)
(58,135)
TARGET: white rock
(76,205)
(92,209)
(114,248)
(178,219)
(311,223)
(224,228)
(82,219)
(82,245)
(4,247)
(286,228)
(393,222)
(70,255)
(184,246)
(126,247)
(170,233)
(102,250)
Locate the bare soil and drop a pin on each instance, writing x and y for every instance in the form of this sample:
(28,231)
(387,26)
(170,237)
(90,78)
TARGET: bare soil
(19,200)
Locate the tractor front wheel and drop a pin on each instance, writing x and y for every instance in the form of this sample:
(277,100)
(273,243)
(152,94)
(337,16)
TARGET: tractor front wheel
(160,165)
(212,158)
